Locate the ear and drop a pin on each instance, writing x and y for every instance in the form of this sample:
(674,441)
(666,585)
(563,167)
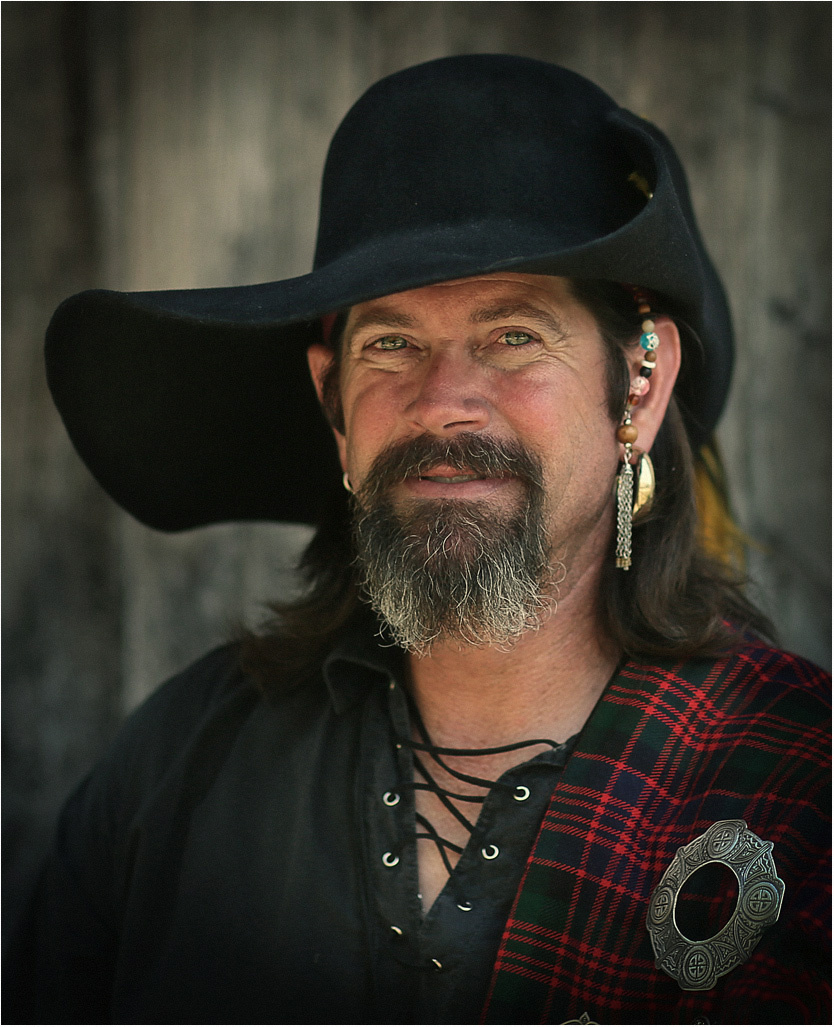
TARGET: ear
(648,415)
(319,359)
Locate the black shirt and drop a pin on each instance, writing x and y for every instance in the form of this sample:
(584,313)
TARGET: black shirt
(238,859)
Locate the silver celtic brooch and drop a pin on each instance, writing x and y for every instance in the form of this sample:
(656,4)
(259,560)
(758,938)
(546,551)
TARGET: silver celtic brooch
(697,965)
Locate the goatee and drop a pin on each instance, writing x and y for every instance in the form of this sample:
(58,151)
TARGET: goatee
(457,570)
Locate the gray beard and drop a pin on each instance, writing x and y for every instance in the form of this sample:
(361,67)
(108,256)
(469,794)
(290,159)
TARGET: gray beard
(453,570)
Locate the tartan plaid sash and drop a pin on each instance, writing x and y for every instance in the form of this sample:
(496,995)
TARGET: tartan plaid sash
(669,750)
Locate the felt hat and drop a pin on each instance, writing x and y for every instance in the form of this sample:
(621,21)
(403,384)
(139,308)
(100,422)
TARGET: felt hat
(194,406)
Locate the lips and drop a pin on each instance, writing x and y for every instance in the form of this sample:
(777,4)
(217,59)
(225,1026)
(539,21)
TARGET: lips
(450,475)
(456,480)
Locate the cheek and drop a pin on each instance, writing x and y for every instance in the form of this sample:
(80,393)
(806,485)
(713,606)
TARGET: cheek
(370,421)
(576,437)
(566,413)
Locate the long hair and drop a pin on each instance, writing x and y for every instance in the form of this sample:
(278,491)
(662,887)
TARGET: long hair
(678,601)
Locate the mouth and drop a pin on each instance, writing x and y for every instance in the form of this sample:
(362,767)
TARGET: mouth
(455,479)
(447,474)
(445,481)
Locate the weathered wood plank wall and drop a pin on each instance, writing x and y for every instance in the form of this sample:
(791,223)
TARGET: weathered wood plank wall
(154,145)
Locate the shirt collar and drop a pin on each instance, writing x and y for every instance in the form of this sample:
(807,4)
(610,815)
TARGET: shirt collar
(364,657)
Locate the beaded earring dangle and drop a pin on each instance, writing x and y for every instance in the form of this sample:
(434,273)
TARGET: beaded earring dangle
(630,509)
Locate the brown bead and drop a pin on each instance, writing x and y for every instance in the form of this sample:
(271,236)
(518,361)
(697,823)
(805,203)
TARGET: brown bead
(644,308)
(650,356)
(626,433)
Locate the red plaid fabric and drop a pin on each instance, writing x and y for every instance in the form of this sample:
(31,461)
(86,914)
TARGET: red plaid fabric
(668,751)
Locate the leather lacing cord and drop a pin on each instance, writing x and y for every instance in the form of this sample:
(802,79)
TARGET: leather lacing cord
(445,796)
(404,948)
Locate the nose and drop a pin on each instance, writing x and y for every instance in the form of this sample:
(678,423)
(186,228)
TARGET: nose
(450,398)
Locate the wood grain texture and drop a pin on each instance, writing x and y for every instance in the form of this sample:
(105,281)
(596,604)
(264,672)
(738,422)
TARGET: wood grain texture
(155,145)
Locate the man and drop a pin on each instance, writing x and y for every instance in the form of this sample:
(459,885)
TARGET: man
(518,753)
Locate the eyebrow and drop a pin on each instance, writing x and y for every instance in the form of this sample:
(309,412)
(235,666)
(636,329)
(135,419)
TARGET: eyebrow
(382,317)
(510,311)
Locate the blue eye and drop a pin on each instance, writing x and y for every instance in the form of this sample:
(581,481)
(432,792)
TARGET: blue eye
(516,338)
(390,342)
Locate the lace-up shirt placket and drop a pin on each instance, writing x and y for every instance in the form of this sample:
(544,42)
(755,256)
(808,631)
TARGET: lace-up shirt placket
(438,964)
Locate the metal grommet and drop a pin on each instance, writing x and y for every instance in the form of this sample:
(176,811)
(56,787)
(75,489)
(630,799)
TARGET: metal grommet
(389,860)
(397,930)
(438,965)
(390,798)
(466,907)
(522,793)
(490,852)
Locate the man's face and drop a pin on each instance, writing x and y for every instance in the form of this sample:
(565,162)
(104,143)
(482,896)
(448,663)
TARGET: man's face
(504,362)
(510,356)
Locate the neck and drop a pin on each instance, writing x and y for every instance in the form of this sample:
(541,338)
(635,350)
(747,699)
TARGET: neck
(544,686)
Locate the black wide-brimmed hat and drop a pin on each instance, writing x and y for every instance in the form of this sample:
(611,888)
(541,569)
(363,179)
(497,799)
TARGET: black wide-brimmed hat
(195,406)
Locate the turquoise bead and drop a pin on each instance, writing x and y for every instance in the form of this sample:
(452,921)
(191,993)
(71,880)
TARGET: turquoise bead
(649,340)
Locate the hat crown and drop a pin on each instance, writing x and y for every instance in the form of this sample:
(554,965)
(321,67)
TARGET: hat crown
(483,140)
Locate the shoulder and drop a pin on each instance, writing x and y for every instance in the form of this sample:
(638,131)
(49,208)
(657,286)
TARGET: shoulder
(753,714)
(756,661)
(196,734)
(196,719)
(752,678)
(759,721)
(189,699)
(188,713)
(206,682)
(775,707)
(761,680)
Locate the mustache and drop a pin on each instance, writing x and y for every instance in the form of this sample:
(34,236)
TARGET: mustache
(468,451)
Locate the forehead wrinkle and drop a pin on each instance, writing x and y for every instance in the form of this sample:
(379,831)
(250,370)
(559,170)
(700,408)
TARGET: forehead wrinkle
(509,311)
